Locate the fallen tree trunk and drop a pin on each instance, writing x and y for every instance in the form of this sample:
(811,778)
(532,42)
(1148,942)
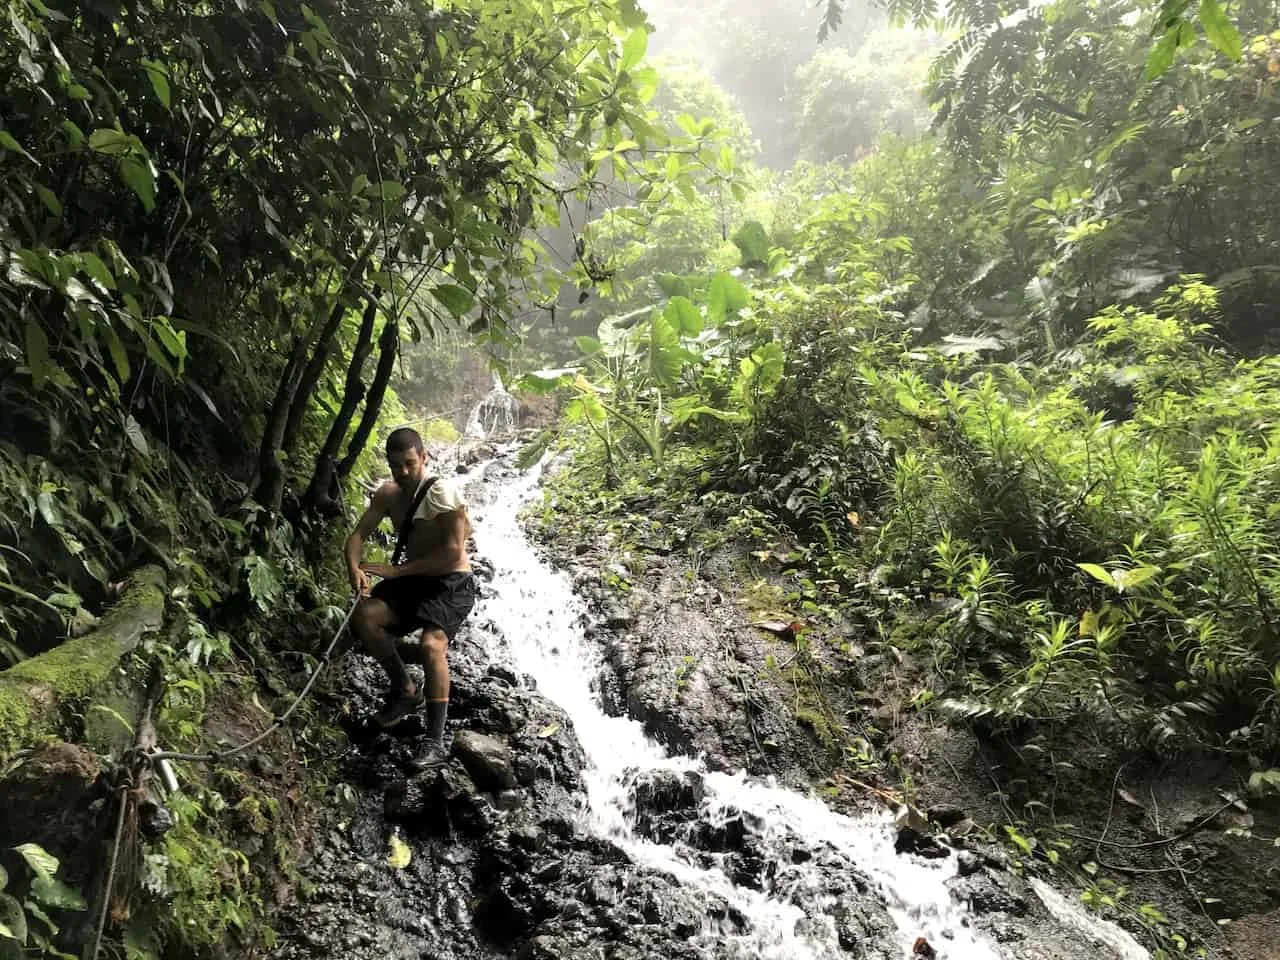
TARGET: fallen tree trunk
(35,693)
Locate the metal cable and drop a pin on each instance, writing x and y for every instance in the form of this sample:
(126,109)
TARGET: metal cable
(214,756)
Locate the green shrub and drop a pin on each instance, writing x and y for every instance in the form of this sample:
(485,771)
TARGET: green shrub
(1120,568)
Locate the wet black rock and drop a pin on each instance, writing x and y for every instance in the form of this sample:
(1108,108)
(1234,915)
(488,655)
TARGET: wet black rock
(911,840)
(436,800)
(486,758)
(946,815)
(667,791)
(968,863)
(985,892)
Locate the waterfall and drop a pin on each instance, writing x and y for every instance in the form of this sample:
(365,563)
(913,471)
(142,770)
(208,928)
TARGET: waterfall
(817,859)
(495,415)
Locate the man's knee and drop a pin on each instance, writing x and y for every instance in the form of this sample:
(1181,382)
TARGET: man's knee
(435,642)
(371,617)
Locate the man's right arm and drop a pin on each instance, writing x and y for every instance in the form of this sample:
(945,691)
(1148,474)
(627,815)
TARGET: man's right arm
(368,523)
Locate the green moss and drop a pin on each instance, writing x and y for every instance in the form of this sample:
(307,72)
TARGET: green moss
(31,692)
(15,718)
(250,808)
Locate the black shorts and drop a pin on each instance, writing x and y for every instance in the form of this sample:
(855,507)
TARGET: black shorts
(428,602)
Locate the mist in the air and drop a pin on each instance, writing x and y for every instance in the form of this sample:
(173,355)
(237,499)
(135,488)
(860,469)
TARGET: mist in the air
(802,99)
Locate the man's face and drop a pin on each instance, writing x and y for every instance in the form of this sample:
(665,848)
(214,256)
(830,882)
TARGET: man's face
(406,468)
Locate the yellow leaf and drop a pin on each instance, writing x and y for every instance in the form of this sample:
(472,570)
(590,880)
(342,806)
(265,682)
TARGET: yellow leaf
(1089,624)
(550,730)
(854,519)
(398,854)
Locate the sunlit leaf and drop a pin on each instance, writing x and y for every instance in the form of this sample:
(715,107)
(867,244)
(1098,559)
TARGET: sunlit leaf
(38,859)
(1222,33)
(633,48)
(8,142)
(111,142)
(726,296)
(137,174)
(1098,573)
(159,78)
(683,316)
(399,855)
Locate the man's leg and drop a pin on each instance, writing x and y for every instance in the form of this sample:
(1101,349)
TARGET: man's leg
(435,660)
(371,622)
(444,612)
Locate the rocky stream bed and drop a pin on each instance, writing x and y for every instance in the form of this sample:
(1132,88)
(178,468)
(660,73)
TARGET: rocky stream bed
(560,828)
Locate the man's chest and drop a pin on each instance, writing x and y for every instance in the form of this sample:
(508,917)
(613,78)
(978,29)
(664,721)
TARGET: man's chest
(422,531)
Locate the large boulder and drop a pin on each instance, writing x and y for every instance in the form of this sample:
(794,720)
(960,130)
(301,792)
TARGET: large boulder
(486,758)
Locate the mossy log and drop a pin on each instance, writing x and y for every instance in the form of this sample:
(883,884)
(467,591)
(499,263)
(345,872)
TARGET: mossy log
(35,693)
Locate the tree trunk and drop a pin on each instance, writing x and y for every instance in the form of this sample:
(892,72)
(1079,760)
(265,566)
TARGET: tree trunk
(269,484)
(319,495)
(388,347)
(310,376)
(35,693)
(315,368)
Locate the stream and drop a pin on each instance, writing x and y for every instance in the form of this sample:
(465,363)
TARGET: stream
(536,604)
(572,832)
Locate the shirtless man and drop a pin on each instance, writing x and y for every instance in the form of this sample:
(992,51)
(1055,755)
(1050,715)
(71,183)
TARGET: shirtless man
(433,589)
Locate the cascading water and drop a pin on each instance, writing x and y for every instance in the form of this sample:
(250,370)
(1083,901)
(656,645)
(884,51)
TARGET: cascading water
(537,611)
(495,415)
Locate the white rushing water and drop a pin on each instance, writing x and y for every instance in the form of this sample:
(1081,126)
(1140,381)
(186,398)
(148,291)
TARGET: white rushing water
(542,619)
(495,415)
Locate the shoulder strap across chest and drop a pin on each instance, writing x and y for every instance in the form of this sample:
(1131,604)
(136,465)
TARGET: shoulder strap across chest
(406,525)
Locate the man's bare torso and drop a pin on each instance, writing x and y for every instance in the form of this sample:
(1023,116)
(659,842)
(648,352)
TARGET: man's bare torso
(428,537)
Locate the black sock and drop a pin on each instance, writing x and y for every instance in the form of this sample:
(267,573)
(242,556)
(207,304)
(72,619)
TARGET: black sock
(437,710)
(397,672)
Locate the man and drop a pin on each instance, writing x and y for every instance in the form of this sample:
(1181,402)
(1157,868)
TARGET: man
(433,589)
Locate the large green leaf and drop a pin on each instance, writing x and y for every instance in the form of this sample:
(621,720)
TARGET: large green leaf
(13,918)
(588,346)
(265,585)
(663,356)
(1098,573)
(1222,33)
(41,861)
(137,174)
(52,892)
(159,78)
(1162,55)
(38,361)
(725,297)
(8,142)
(633,48)
(137,439)
(112,142)
(457,300)
(683,316)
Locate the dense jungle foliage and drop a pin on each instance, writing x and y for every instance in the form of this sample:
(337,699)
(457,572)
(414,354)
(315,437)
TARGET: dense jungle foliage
(219,225)
(1020,365)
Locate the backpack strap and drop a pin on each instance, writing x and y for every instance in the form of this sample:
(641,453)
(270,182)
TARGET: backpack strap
(402,538)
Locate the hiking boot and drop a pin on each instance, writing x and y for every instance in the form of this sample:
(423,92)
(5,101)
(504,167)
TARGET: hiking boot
(433,754)
(399,704)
